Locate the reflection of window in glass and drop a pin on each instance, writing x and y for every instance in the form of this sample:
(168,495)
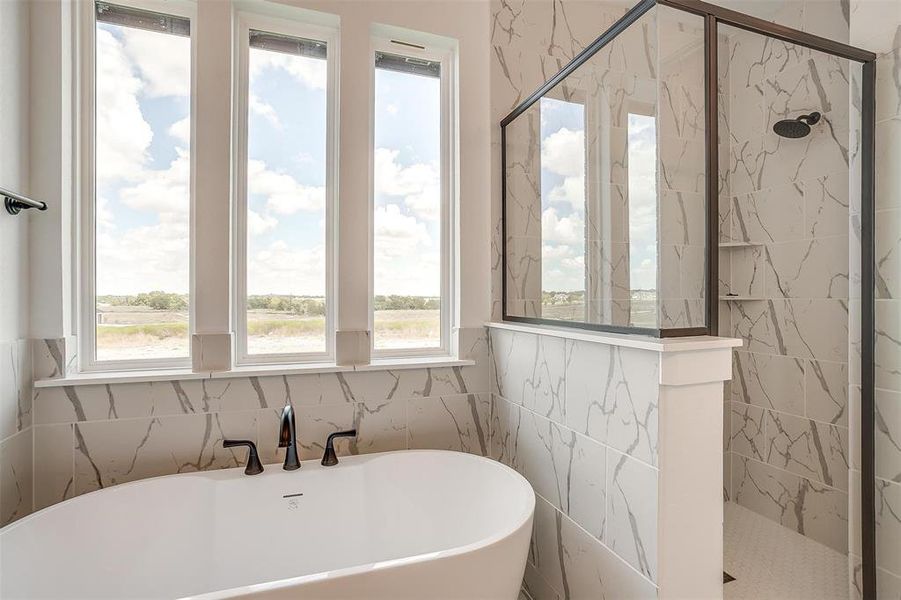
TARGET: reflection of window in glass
(285,177)
(642,135)
(408,268)
(142,187)
(562,141)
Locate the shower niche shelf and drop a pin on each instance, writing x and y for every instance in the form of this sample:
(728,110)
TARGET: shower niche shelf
(740,299)
(740,244)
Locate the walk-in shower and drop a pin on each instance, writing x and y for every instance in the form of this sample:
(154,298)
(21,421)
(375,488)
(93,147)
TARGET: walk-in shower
(699,171)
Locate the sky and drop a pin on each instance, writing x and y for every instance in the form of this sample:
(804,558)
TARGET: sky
(563,197)
(143,171)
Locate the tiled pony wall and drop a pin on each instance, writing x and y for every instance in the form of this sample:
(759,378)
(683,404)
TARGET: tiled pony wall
(579,421)
(15,348)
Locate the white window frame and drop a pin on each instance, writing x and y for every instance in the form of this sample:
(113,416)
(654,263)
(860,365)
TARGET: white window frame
(87,261)
(420,47)
(244,23)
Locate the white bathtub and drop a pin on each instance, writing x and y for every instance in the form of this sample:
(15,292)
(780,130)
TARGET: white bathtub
(414,524)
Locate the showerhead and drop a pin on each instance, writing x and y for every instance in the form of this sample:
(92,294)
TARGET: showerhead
(796,128)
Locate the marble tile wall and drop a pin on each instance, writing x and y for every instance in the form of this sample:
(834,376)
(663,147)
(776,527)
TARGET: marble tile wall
(579,421)
(16,413)
(785,214)
(88,437)
(876,26)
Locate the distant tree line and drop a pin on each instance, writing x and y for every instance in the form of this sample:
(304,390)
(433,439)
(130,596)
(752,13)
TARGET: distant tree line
(156,300)
(307,306)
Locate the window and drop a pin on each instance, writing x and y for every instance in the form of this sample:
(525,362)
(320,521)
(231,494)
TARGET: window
(136,285)
(411,201)
(284,207)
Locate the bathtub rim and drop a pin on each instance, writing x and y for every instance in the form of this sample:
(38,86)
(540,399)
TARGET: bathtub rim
(521,519)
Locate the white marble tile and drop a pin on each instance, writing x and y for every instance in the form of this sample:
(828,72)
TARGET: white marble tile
(807,448)
(888,435)
(536,586)
(49,358)
(772,215)
(54,447)
(528,369)
(794,327)
(458,423)
(814,510)
(611,396)
(888,585)
(769,381)
(16,476)
(682,218)
(15,387)
(112,452)
(565,468)
(631,530)
(579,566)
(888,254)
(826,205)
(888,156)
(888,85)
(814,268)
(747,437)
(888,525)
(826,392)
(888,344)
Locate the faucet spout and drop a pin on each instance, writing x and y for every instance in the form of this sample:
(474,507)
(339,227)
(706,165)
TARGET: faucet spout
(287,438)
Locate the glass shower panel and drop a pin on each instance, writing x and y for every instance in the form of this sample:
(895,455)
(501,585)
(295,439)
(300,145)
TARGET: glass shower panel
(581,191)
(682,246)
(789,285)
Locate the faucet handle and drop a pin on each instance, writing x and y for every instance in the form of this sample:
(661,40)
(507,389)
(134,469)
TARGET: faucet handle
(329,458)
(254,466)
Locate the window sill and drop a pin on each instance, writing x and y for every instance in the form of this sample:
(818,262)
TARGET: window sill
(383,364)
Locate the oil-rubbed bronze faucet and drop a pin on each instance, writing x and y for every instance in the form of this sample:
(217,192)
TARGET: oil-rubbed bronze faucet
(330,459)
(287,438)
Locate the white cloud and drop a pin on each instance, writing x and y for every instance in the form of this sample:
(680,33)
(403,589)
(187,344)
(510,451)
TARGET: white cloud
(419,184)
(181,130)
(163,60)
(264,109)
(280,269)
(563,153)
(284,195)
(308,71)
(123,136)
(165,193)
(258,224)
(571,192)
(564,230)
(397,234)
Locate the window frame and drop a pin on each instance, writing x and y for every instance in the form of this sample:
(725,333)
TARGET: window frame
(244,22)
(447,57)
(86,234)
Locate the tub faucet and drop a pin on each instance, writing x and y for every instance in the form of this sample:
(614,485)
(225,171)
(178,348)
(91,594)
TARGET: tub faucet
(287,438)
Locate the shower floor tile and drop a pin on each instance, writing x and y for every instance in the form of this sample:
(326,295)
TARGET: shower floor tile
(772,562)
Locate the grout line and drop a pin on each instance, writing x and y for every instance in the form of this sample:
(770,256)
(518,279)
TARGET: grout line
(593,538)
(766,464)
(578,433)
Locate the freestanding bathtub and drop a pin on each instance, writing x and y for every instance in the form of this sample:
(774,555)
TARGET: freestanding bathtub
(412,524)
